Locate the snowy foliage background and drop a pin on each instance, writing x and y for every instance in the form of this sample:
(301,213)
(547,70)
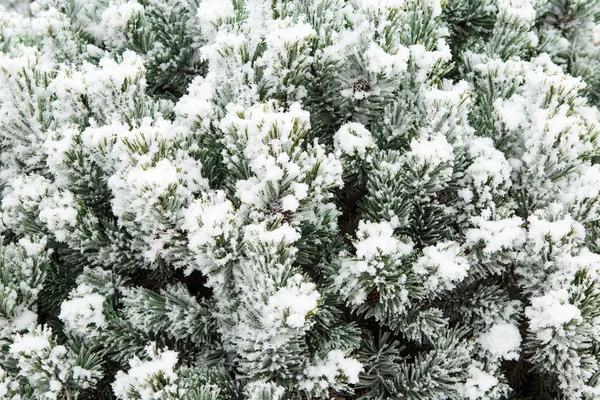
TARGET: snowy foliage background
(276,199)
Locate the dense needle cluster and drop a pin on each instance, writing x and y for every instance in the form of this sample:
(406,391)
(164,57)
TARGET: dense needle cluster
(307,199)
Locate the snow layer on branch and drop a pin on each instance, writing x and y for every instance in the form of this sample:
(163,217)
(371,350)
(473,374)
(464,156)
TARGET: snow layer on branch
(24,198)
(503,340)
(260,234)
(551,313)
(353,139)
(381,62)
(213,12)
(329,371)
(59,213)
(29,343)
(286,57)
(522,10)
(49,369)
(489,171)
(84,308)
(504,234)
(560,233)
(379,4)
(259,390)
(23,272)
(110,89)
(148,380)
(292,304)
(432,157)
(377,249)
(478,384)
(443,264)
(115,20)
(470,186)
(271,143)
(213,229)
(377,240)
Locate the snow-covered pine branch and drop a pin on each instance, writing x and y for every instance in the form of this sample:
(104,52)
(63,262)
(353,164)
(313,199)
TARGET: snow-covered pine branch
(290,200)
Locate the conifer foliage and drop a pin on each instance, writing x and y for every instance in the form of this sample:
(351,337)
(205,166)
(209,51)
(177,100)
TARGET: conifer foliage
(300,199)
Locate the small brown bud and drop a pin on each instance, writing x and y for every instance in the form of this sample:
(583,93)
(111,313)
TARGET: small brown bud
(373,298)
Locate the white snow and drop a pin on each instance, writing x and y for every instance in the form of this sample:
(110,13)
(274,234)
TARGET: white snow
(211,223)
(444,263)
(478,384)
(376,239)
(379,4)
(210,12)
(503,234)
(26,191)
(148,380)
(427,59)
(596,35)
(283,34)
(432,150)
(260,390)
(431,156)
(507,191)
(115,19)
(541,231)
(25,319)
(289,203)
(521,9)
(381,62)
(329,370)
(353,139)
(551,310)
(83,309)
(503,340)
(59,213)
(292,303)
(260,234)
(5,383)
(29,344)
(466,195)
(489,170)
(512,111)
(300,190)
